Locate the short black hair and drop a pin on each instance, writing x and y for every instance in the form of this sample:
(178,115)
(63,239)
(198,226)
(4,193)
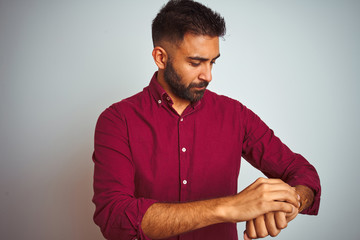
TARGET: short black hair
(179,17)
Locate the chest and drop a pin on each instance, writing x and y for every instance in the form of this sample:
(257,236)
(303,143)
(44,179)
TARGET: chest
(180,158)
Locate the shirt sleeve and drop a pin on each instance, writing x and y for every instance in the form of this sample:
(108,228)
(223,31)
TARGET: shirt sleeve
(118,212)
(266,152)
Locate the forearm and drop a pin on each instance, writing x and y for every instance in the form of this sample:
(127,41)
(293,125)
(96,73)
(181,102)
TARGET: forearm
(163,220)
(306,197)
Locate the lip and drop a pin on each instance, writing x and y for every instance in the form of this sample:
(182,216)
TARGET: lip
(200,88)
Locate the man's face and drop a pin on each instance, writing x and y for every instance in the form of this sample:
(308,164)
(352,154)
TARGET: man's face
(188,69)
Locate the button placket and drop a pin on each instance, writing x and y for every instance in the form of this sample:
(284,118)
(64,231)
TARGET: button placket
(183,159)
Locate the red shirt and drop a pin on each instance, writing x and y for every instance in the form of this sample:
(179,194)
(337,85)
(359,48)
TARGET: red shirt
(146,153)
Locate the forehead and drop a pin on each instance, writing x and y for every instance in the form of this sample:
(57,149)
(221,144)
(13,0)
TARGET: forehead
(199,45)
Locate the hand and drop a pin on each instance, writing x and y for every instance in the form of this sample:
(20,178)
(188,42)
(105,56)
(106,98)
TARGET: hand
(261,197)
(269,224)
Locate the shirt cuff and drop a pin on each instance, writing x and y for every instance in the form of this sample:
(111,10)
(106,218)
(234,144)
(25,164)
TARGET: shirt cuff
(136,214)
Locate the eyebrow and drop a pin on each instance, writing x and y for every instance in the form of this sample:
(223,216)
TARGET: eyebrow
(202,59)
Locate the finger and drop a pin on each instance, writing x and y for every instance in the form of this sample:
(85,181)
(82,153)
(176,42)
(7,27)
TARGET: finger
(278,206)
(280,219)
(281,196)
(263,185)
(262,180)
(273,185)
(260,227)
(292,215)
(246,237)
(275,180)
(271,224)
(250,229)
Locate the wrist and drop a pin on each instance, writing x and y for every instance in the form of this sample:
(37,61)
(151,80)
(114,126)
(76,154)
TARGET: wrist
(306,196)
(223,210)
(303,204)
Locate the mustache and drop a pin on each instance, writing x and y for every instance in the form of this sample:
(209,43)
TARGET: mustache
(199,85)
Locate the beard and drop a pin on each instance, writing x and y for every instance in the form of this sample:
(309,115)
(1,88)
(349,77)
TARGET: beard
(174,80)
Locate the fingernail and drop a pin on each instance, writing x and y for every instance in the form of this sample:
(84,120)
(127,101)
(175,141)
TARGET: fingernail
(298,197)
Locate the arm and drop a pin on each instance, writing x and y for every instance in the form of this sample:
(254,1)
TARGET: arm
(266,152)
(164,220)
(118,212)
(263,150)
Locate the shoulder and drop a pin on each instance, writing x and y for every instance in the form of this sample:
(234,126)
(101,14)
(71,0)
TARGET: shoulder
(127,105)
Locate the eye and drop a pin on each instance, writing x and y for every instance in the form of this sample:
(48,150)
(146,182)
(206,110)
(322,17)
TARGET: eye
(194,64)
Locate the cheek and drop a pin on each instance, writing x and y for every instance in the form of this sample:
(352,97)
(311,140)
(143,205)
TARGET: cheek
(191,78)
(189,74)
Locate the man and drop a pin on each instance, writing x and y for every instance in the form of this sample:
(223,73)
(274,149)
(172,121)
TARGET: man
(167,159)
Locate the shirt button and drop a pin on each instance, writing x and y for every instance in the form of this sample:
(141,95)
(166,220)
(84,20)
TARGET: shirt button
(168,98)
(183,149)
(159,101)
(181,119)
(184,182)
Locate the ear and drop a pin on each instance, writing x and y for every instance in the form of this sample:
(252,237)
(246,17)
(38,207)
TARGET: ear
(160,57)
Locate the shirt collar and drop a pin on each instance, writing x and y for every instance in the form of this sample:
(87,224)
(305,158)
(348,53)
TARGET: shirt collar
(160,95)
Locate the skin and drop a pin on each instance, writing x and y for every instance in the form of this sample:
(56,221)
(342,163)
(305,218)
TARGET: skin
(193,60)
(267,205)
(272,223)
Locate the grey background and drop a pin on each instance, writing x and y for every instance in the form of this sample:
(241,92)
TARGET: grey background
(295,63)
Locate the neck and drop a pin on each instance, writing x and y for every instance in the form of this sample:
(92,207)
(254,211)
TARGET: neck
(180,104)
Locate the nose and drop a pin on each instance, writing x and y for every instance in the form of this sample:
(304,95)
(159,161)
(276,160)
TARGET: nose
(205,74)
